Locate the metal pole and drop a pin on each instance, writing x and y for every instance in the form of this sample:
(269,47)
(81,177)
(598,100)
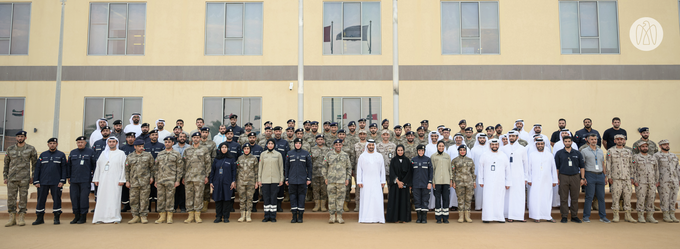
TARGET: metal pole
(301,66)
(57,94)
(395,62)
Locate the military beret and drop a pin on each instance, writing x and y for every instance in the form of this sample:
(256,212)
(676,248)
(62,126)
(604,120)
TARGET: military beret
(384,120)
(664,141)
(341,131)
(117,122)
(205,129)
(462,147)
(407,124)
(468,129)
(362,131)
(21,133)
(306,122)
(233,116)
(446,129)
(106,128)
(267,128)
(245,145)
(54,139)
(361,120)
(138,142)
(498,125)
(196,134)
(314,123)
(168,138)
(326,123)
(425,121)
(319,136)
(480,124)
(297,140)
(229,130)
(643,129)
(154,131)
(410,133)
(397,127)
(268,122)
(462,121)
(420,147)
(291,120)
(290,129)
(132,133)
(249,123)
(145,125)
(252,134)
(489,128)
(373,125)
(334,124)
(81,138)
(299,130)
(177,127)
(619,136)
(420,128)
(351,123)
(277,128)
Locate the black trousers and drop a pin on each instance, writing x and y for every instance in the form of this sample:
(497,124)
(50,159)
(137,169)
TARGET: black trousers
(269,193)
(42,198)
(280,194)
(256,196)
(422,198)
(297,193)
(222,209)
(441,197)
(125,196)
(180,197)
(80,197)
(153,194)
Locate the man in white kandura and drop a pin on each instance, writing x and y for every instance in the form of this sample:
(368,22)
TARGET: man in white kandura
(371,180)
(542,177)
(494,178)
(110,177)
(515,198)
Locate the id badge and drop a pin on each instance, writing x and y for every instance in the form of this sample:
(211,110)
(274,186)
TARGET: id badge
(570,164)
(493,167)
(82,162)
(389,155)
(510,159)
(597,167)
(106,168)
(221,171)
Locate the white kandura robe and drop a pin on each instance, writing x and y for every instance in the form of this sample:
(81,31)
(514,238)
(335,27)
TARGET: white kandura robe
(477,153)
(137,129)
(495,176)
(542,174)
(515,197)
(107,209)
(371,173)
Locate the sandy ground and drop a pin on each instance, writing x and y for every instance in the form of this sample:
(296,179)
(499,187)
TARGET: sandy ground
(319,234)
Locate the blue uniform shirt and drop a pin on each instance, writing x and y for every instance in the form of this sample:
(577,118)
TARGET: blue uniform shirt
(154,148)
(235,148)
(81,164)
(238,131)
(98,148)
(422,171)
(282,147)
(51,168)
(298,167)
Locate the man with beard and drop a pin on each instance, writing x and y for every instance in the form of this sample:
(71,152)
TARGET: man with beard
(362,124)
(127,148)
(100,145)
(290,136)
(153,147)
(145,133)
(20,161)
(561,123)
(326,128)
(491,132)
(426,125)
(212,151)
(238,131)
(318,152)
(646,180)
(160,127)
(243,139)
(469,139)
(49,177)
(79,170)
(199,127)
(668,180)
(352,132)
(307,125)
(619,169)
(262,139)
(96,134)
(481,147)
(332,134)
(347,147)
(536,131)
(410,145)
(179,191)
(499,130)
(523,135)
(135,124)
(291,123)
(479,127)
(446,138)
(644,137)
(221,135)
(495,179)
(397,139)
(358,150)
(310,137)
(118,132)
(386,149)
(462,124)
(542,177)
(571,174)
(281,146)
(407,127)
(386,127)
(373,132)
(581,136)
(421,138)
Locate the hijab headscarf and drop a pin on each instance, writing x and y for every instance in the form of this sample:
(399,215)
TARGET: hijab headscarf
(267,147)
(400,167)
(221,155)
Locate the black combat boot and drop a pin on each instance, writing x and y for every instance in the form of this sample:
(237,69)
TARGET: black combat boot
(424,220)
(56,217)
(83,218)
(254,209)
(278,206)
(299,217)
(126,208)
(39,220)
(294,220)
(75,220)
(266,216)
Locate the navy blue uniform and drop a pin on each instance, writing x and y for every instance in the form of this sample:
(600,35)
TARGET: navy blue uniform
(50,171)
(98,148)
(282,146)
(422,176)
(80,165)
(222,175)
(144,137)
(581,137)
(238,131)
(297,170)
(235,150)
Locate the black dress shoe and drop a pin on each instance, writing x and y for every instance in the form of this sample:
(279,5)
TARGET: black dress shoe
(576,219)
(272,219)
(564,220)
(217,220)
(485,221)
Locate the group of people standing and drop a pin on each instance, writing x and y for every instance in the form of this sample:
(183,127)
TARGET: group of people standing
(424,170)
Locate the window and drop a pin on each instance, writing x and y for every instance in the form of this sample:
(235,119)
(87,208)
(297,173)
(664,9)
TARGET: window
(12,111)
(589,27)
(351,28)
(233,29)
(216,112)
(117,29)
(111,109)
(345,109)
(470,28)
(15,19)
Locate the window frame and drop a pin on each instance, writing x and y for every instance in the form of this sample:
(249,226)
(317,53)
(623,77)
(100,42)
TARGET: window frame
(240,119)
(578,19)
(122,108)
(11,28)
(4,120)
(479,22)
(361,101)
(342,23)
(127,23)
(225,38)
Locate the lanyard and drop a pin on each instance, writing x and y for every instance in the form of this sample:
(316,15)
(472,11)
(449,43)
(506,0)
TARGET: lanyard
(594,154)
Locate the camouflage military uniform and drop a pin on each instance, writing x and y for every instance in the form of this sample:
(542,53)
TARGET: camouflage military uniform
(348,147)
(197,163)
(619,169)
(169,169)
(375,137)
(263,141)
(646,174)
(470,142)
(138,172)
(318,184)
(391,132)
(422,141)
(522,142)
(464,177)
(668,177)
(410,150)
(651,145)
(310,139)
(387,150)
(330,138)
(337,170)
(448,143)
(212,147)
(246,180)
(243,139)
(19,163)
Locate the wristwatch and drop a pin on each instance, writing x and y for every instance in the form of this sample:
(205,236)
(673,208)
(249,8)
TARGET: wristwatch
(583,178)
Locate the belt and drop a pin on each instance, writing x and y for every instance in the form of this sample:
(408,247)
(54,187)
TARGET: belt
(597,173)
(569,175)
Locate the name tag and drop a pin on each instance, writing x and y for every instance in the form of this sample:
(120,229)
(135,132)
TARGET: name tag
(570,164)
(597,167)
(493,167)
(510,159)
(106,168)
(221,171)
(82,162)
